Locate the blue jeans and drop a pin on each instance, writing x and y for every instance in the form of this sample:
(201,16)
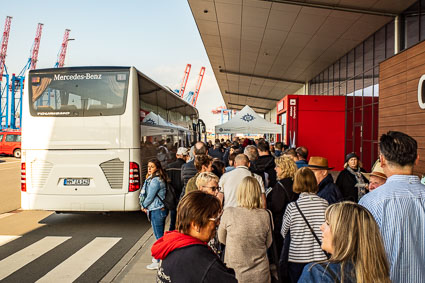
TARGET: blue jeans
(158,217)
(173,216)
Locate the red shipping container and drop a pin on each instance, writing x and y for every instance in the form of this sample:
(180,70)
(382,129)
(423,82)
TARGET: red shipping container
(316,122)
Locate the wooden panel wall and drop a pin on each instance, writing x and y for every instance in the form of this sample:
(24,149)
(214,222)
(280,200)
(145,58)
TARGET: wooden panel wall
(398,97)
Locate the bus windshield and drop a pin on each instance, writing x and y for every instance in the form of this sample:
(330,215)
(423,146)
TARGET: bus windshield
(58,92)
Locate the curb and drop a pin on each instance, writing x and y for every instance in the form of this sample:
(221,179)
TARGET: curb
(127,258)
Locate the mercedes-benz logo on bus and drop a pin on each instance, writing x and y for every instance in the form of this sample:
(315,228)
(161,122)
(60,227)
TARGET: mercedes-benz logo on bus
(221,129)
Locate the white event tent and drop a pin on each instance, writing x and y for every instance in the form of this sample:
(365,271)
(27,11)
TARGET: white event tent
(247,121)
(153,125)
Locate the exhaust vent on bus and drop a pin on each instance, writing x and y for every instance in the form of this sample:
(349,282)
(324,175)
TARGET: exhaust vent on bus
(114,172)
(40,171)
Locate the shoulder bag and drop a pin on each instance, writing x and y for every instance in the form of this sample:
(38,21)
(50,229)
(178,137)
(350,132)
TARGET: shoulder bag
(311,229)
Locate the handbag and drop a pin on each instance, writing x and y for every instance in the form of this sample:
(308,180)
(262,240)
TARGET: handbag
(312,231)
(274,251)
(283,268)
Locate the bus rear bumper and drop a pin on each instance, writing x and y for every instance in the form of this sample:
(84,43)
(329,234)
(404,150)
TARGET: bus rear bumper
(119,202)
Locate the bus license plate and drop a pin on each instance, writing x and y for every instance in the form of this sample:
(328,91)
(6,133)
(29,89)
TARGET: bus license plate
(76,182)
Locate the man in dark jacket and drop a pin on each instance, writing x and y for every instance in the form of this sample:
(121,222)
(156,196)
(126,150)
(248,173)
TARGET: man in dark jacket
(188,169)
(302,154)
(216,151)
(265,164)
(174,174)
(278,149)
(328,190)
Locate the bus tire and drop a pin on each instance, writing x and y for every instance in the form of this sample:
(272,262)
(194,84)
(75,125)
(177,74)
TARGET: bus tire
(17,153)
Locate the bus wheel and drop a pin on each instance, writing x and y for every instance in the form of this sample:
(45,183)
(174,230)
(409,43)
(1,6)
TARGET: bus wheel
(17,153)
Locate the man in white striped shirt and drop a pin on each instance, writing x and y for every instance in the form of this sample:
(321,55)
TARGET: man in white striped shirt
(398,207)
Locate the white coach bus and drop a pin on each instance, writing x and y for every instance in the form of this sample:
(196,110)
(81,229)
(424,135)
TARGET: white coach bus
(88,132)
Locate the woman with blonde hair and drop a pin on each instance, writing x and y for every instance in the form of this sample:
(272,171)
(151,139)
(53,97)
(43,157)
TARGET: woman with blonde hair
(208,183)
(281,194)
(246,231)
(352,237)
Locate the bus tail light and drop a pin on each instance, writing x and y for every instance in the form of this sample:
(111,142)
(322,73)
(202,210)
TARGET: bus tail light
(23,177)
(134,177)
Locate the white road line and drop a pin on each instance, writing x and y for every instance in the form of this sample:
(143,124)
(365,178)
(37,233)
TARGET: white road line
(9,162)
(4,215)
(4,239)
(74,266)
(19,259)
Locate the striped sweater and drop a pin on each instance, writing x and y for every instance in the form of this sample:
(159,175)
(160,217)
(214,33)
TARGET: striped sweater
(304,247)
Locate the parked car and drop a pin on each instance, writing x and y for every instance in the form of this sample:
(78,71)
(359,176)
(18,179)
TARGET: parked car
(10,143)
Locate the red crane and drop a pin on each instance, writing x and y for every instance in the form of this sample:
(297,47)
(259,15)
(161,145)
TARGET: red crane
(198,86)
(184,81)
(3,49)
(36,46)
(61,57)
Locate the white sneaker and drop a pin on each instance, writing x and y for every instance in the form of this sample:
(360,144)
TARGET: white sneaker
(154,260)
(153,266)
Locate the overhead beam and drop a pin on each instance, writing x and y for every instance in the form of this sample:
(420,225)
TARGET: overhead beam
(261,77)
(256,111)
(334,7)
(243,105)
(250,96)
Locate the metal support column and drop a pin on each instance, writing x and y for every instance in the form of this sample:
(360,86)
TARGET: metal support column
(12,103)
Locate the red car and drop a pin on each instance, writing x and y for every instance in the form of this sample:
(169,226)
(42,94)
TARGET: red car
(10,143)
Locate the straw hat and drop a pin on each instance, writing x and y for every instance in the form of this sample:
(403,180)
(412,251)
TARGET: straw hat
(317,162)
(377,171)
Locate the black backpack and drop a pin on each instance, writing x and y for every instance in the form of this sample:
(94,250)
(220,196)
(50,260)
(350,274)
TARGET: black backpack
(170,201)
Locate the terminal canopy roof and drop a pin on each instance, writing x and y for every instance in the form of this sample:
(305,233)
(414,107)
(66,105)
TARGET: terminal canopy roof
(261,50)
(247,121)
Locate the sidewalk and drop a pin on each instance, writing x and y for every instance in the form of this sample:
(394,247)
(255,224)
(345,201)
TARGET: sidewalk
(132,267)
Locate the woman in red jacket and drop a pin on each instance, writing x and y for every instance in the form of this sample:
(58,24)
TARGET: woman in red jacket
(185,254)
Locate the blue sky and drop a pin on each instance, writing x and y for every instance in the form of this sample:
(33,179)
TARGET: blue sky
(157,37)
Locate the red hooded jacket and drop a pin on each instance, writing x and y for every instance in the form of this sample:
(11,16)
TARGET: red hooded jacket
(171,241)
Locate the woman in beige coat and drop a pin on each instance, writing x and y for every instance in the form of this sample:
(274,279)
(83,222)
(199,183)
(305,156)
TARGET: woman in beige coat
(246,231)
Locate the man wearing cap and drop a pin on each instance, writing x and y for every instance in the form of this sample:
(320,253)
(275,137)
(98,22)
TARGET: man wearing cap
(398,208)
(174,174)
(328,190)
(377,177)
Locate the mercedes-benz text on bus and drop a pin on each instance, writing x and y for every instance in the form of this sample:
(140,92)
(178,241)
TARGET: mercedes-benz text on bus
(88,132)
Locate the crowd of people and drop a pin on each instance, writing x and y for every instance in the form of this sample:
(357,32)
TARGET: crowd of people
(250,211)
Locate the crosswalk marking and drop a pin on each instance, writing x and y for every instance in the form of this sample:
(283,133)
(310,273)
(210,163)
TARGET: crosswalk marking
(19,259)
(74,266)
(4,239)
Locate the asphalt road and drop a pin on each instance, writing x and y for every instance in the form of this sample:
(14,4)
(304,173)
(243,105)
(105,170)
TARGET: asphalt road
(47,247)
(10,183)
(50,247)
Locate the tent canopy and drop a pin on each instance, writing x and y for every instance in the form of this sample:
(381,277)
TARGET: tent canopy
(153,125)
(247,121)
